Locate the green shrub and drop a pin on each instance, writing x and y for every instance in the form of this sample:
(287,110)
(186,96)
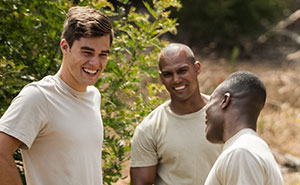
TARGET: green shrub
(29,48)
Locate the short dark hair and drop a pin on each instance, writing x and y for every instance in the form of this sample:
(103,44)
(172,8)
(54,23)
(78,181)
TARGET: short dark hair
(245,84)
(84,21)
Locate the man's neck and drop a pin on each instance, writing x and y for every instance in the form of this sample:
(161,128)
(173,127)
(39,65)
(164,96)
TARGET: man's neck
(188,106)
(234,126)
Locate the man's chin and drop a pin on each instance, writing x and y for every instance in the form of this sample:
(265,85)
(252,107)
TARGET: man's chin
(90,82)
(179,98)
(211,139)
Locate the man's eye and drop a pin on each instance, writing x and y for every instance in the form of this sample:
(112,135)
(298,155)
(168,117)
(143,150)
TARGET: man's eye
(166,74)
(103,55)
(87,53)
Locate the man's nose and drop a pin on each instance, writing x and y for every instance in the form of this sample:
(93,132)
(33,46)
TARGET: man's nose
(95,61)
(177,78)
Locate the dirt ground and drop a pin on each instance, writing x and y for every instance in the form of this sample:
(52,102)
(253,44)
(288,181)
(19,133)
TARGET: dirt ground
(277,123)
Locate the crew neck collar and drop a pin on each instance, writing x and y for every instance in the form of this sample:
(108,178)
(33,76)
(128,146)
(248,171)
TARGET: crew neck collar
(65,86)
(182,116)
(229,142)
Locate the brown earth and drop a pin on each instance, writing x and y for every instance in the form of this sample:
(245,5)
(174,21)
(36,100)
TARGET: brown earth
(277,122)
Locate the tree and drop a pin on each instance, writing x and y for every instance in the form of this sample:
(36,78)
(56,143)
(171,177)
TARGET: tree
(227,23)
(29,47)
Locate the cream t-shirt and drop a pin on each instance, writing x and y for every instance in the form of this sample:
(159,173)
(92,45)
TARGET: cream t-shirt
(177,144)
(61,131)
(246,160)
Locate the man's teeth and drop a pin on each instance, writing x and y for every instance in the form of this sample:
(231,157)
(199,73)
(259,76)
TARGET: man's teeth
(179,88)
(90,71)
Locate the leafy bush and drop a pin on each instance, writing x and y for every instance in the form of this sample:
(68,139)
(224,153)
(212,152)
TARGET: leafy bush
(134,58)
(29,48)
(29,37)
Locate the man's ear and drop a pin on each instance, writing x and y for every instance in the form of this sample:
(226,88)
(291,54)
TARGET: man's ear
(197,66)
(226,100)
(160,77)
(64,46)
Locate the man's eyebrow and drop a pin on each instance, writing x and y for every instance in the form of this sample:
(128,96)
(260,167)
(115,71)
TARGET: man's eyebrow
(86,48)
(91,49)
(165,72)
(185,66)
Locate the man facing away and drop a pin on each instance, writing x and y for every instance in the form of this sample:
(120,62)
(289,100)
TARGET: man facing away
(167,148)
(56,121)
(232,113)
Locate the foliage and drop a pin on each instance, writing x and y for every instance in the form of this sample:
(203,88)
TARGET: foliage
(29,38)
(134,58)
(228,21)
(29,48)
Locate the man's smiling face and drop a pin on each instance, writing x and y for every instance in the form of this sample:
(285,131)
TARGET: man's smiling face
(179,75)
(85,61)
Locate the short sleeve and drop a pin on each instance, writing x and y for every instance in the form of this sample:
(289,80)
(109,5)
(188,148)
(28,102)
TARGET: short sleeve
(143,148)
(241,167)
(26,116)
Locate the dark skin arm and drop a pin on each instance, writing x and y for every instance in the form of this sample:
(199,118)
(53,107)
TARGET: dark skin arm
(143,175)
(8,170)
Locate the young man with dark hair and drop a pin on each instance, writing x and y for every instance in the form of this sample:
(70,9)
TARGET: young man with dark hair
(231,116)
(56,121)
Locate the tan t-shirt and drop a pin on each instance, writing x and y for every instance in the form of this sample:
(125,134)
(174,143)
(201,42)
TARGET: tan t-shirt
(246,160)
(61,130)
(177,144)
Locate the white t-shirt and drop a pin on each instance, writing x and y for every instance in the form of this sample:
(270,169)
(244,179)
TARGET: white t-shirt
(177,144)
(246,160)
(61,131)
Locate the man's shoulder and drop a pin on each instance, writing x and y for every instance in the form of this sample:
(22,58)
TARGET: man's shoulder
(158,111)
(154,117)
(32,90)
(44,82)
(93,91)
(249,143)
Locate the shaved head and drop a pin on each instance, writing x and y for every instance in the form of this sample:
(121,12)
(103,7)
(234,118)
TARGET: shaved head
(174,50)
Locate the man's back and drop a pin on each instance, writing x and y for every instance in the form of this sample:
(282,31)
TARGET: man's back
(246,159)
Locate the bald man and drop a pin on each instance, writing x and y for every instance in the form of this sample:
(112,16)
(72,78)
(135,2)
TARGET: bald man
(232,113)
(169,147)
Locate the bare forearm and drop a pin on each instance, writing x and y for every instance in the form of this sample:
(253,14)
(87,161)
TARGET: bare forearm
(8,171)
(143,175)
